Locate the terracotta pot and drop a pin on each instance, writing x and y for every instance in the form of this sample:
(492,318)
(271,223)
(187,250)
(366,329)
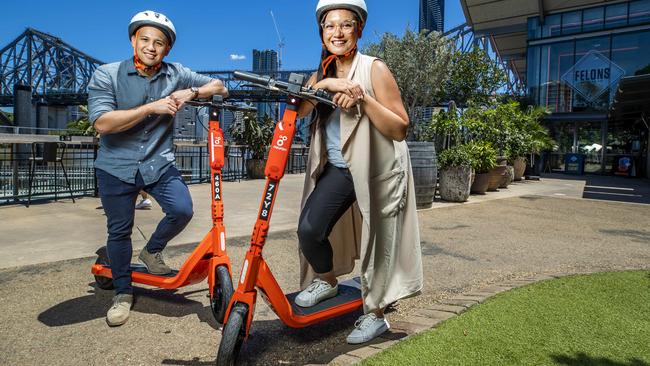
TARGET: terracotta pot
(496,176)
(480,184)
(455,183)
(508,176)
(520,167)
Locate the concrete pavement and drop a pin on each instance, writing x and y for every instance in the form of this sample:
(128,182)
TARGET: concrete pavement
(52,314)
(50,231)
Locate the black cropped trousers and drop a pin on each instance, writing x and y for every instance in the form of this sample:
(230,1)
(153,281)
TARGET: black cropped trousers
(332,196)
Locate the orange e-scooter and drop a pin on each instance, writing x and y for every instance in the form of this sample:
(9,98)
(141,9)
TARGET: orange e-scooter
(256,274)
(209,259)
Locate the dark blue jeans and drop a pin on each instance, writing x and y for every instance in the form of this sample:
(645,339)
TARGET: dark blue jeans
(118,199)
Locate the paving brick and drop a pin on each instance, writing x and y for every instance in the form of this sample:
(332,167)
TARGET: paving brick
(408,327)
(460,302)
(364,352)
(485,294)
(473,296)
(448,308)
(422,320)
(497,288)
(394,334)
(345,360)
(435,314)
(382,343)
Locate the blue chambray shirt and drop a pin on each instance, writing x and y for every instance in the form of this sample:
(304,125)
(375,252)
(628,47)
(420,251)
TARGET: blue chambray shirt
(146,147)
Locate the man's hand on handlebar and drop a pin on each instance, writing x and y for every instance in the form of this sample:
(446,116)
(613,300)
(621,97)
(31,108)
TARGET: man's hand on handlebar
(181,96)
(165,105)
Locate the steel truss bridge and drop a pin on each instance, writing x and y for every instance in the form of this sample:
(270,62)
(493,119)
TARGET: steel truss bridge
(59,73)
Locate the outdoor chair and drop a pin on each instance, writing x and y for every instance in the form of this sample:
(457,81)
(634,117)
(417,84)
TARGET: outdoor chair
(51,152)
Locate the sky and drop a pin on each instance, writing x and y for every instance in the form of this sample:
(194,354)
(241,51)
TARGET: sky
(211,35)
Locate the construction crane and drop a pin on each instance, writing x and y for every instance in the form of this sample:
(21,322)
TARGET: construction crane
(280,41)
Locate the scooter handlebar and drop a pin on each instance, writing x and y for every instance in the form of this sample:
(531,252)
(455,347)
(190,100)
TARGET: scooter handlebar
(252,78)
(270,83)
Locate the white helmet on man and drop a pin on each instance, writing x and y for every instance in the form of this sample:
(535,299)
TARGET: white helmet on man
(154,19)
(357,6)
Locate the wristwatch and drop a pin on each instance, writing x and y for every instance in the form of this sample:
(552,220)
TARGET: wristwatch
(195,90)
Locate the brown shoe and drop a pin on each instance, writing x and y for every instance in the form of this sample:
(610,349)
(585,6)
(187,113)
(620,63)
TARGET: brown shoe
(154,262)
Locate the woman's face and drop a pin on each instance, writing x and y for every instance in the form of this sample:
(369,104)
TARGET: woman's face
(340,31)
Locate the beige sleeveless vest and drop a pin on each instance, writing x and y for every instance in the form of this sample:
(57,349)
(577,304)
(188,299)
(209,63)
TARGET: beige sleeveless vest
(381,228)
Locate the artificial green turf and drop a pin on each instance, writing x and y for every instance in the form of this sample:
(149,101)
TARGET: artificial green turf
(600,319)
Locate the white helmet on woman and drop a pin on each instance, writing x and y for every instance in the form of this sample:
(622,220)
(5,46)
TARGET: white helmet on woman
(154,19)
(357,6)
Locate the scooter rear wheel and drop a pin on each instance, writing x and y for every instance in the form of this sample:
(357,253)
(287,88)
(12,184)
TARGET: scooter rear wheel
(221,293)
(233,335)
(104,283)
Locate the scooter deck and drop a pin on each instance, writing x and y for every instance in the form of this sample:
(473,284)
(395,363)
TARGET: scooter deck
(349,291)
(141,268)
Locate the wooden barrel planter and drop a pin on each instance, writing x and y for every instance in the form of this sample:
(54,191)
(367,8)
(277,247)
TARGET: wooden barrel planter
(496,177)
(425,171)
(480,184)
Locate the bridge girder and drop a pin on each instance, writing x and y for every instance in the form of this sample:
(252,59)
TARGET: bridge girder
(57,72)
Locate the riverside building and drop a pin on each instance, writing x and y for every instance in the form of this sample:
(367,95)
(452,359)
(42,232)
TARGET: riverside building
(588,63)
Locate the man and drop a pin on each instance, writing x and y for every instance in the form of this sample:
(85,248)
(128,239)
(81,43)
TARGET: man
(132,104)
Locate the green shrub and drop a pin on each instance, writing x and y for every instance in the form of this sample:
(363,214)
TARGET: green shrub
(484,156)
(457,156)
(256,134)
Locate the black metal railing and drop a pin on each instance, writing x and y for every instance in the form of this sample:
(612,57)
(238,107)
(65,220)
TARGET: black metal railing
(48,181)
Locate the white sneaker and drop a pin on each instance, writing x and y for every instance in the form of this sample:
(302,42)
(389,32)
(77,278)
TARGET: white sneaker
(318,291)
(144,204)
(366,328)
(118,314)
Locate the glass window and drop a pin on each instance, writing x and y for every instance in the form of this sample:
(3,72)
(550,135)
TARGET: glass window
(532,75)
(630,51)
(640,12)
(571,22)
(556,60)
(592,19)
(616,15)
(601,102)
(533,28)
(552,25)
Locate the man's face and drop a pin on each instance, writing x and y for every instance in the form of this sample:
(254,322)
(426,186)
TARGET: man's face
(150,44)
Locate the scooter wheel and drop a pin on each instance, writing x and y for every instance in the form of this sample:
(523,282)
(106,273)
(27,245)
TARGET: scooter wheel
(102,282)
(233,336)
(222,293)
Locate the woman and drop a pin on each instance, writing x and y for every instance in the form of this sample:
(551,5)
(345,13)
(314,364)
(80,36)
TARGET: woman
(359,198)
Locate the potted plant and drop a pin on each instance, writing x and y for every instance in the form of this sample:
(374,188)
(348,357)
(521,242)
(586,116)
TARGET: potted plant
(455,174)
(484,158)
(256,134)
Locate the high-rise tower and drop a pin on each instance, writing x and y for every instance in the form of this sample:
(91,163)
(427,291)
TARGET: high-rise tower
(432,15)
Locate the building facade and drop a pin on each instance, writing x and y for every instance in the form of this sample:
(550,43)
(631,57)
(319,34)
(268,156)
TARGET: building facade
(587,62)
(432,15)
(265,62)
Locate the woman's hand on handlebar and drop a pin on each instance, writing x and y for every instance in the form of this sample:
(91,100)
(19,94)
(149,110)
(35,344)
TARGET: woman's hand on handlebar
(345,101)
(345,86)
